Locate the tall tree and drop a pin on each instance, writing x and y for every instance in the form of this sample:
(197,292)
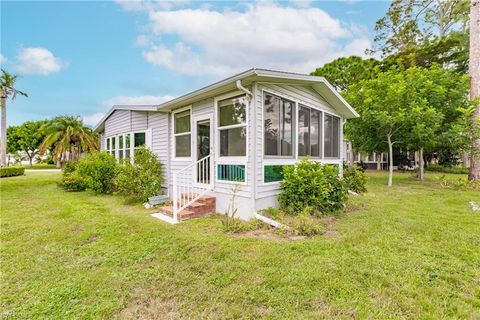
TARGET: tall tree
(410,23)
(381,103)
(345,71)
(474,70)
(7,90)
(69,137)
(26,137)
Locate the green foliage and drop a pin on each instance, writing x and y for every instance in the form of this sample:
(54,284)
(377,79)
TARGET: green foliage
(447,169)
(459,184)
(68,137)
(142,179)
(311,184)
(11,171)
(306,225)
(345,71)
(71,179)
(355,179)
(26,137)
(97,171)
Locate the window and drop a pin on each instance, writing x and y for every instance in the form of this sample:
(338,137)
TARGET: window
(232,126)
(278,126)
(107,145)
(332,136)
(309,132)
(273,173)
(231,172)
(356,157)
(138,141)
(112,149)
(182,136)
(127,146)
(120,147)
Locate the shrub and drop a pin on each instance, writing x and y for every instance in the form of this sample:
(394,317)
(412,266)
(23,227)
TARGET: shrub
(71,180)
(455,170)
(97,171)
(355,179)
(313,185)
(141,179)
(11,171)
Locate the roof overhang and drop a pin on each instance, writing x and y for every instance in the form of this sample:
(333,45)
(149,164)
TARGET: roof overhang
(319,84)
(100,126)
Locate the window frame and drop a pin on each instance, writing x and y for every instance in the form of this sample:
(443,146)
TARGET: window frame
(132,148)
(321,138)
(340,129)
(294,125)
(175,135)
(231,159)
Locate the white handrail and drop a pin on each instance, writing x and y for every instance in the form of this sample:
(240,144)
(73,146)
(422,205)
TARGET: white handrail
(190,183)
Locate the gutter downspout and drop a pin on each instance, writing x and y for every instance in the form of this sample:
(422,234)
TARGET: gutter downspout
(242,88)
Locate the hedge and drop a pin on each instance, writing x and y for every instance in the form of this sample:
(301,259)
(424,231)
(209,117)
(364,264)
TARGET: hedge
(11,171)
(443,169)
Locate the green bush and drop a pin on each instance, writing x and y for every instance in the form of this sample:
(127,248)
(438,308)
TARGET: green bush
(41,166)
(97,172)
(11,171)
(313,185)
(71,180)
(355,179)
(140,180)
(443,169)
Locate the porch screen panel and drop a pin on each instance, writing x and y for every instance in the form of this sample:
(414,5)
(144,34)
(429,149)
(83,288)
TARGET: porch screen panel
(332,136)
(309,132)
(278,126)
(232,126)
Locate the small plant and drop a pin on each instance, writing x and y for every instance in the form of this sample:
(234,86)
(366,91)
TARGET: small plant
(305,225)
(444,169)
(97,171)
(313,185)
(354,178)
(229,221)
(139,180)
(11,171)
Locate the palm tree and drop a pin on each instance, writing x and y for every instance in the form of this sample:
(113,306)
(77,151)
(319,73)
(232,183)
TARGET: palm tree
(69,138)
(7,89)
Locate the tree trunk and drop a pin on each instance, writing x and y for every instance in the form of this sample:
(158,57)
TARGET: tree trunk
(350,156)
(390,158)
(379,161)
(3,133)
(474,70)
(421,165)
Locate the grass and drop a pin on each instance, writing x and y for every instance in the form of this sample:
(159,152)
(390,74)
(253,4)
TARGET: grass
(411,251)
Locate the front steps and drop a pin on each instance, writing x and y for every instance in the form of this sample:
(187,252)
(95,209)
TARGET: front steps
(203,206)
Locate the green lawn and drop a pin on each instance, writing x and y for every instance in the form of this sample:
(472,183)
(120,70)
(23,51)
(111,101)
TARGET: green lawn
(412,251)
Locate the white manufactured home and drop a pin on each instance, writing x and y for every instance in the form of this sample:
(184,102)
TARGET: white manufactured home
(237,133)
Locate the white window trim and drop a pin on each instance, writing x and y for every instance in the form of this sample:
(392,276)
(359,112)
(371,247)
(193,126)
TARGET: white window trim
(236,159)
(297,103)
(174,135)
(148,143)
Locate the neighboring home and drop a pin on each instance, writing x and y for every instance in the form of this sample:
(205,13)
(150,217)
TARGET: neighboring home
(239,132)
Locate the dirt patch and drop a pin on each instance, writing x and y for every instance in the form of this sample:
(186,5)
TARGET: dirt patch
(269,234)
(143,306)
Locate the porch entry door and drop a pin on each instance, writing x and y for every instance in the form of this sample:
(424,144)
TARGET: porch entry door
(203,149)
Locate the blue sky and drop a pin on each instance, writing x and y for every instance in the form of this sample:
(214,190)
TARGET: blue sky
(81,57)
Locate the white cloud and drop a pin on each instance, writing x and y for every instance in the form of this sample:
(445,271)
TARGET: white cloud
(3,59)
(266,34)
(38,61)
(138,100)
(92,119)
